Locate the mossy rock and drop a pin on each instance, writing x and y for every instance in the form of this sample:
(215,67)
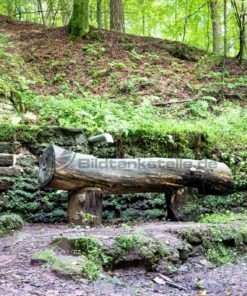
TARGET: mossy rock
(68,266)
(122,251)
(9,222)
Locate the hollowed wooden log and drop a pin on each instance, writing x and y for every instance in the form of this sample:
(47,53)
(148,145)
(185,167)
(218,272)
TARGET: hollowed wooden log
(78,173)
(62,169)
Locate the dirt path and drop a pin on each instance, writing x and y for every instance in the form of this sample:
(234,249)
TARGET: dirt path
(18,277)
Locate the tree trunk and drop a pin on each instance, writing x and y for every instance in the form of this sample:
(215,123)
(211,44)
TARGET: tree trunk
(41,12)
(99,14)
(105,15)
(225,31)
(116,16)
(62,169)
(185,20)
(217,36)
(79,24)
(85,206)
(242,28)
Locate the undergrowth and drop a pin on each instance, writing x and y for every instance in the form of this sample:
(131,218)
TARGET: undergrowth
(220,244)
(10,222)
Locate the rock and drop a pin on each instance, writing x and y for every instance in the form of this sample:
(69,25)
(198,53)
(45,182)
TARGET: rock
(8,147)
(6,160)
(183,268)
(205,263)
(166,267)
(159,281)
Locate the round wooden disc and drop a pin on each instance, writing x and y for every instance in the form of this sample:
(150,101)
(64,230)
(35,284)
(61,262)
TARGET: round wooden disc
(46,166)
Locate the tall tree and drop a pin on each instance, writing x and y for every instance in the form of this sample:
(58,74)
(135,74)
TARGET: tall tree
(217,35)
(240,14)
(99,14)
(185,20)
(116,16)
(106,6)
(79,24)
(42,13)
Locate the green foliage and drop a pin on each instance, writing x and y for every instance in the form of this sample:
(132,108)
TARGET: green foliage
(26,198)
(135,55)
(192,209)
(150,250)
(12,84)
(9,222)
(86,217)
(220,244)
(134,84)
(139,206)
(205,64)
(48,257)
(117,65)
(92,249)
(220,254)
(128,113)
(199,108)
(221,204)
(124,244)
(223,218)
(95,49)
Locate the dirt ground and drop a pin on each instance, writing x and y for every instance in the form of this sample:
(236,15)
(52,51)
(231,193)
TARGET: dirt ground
(197,275)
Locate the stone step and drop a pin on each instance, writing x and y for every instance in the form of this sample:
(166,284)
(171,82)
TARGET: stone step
(8,147)
(6,160)
(10,171)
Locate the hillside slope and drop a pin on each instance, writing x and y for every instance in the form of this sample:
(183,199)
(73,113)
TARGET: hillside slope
(117,65)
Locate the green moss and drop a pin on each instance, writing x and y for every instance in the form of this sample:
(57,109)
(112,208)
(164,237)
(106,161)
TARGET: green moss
(9,222)
(68,265)
(26,198)
(7,132)
(79,26)
(47,257)
(149,250)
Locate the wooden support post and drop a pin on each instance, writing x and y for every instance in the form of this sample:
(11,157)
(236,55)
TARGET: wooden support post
(85,201)
(176,199)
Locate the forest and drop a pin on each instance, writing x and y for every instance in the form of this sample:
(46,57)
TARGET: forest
(123,147)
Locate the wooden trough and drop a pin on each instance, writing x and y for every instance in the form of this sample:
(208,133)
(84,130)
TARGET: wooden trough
(87,177)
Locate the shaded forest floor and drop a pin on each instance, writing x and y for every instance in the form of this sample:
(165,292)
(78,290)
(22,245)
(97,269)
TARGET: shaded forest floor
(195,274)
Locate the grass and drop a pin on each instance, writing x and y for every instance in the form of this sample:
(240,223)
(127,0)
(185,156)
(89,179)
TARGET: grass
(224,218)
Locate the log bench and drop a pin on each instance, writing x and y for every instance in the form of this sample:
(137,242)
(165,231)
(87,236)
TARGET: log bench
(86,178)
